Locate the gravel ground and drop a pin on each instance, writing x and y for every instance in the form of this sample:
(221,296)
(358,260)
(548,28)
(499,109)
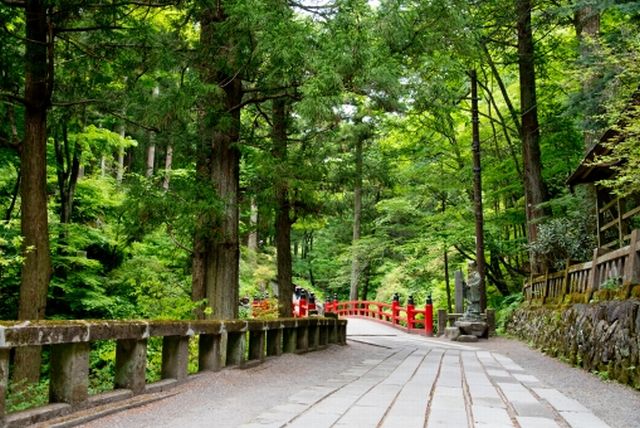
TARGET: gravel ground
(616,404)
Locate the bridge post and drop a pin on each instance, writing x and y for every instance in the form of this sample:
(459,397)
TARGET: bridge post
(410,313)
(131,362)
(395,309)
(69,373)
(274,342)
(210,352)
(428,316)
(235,348)
(335,303)
(4,382)
(175,357)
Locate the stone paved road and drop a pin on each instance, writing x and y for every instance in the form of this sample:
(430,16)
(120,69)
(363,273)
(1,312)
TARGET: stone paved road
(421,382)
(384,378)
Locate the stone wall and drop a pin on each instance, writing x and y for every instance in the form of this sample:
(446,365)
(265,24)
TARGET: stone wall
(601,337)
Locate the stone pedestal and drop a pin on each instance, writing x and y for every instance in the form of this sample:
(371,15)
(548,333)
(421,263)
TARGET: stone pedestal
(452,333)
(473,328)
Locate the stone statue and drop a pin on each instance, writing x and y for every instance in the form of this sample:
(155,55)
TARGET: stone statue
(472,289)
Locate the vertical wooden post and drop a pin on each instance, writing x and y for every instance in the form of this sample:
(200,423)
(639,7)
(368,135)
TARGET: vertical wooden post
(593,280)
(459,291)
(545,292)
(632,265)
(69,373)
(175,357)
(131,363)
(566,285)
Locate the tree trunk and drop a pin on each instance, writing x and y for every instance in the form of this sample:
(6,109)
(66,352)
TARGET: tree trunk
(120,170)
(356,267)
(283,224)
(534,188)
(168,162)
(151,156)
(221,133)
(477,191)
(253,225)
(36,270)
(447,283)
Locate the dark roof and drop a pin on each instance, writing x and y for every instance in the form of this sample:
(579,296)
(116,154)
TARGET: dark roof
(591,169)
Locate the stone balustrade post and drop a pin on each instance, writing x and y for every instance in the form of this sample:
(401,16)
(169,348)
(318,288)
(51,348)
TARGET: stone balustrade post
(175,357)
(69,373)
(323,334)
(314,336)
(442,321)
(342,334)
(4,382)
(333,331)
(302,339)
(235,348)
(256,345)
(274,342)
(131,362)
(210,352)
(290,339)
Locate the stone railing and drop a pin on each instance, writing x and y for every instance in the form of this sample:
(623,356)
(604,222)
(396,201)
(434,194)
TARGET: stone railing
(220,344)
(612,274)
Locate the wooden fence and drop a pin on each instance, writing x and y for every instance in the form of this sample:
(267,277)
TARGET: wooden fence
(618,271)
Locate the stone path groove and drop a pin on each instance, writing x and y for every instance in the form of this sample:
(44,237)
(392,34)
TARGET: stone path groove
(427,383)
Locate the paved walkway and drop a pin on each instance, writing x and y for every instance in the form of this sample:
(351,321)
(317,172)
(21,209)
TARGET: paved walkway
(420,382)
(384,378)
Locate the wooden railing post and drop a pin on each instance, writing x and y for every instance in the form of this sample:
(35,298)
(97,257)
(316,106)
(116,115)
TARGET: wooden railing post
(592,286)
(632,266)
(410,313)
(131,363)
(566,285)
(69,373)
(545,291)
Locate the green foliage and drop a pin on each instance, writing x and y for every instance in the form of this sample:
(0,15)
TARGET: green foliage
(563,239)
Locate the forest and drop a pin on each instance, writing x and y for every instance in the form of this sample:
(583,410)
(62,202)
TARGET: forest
(168,158)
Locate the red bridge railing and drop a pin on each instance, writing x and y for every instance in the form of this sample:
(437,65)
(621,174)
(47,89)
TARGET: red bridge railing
(407,317)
